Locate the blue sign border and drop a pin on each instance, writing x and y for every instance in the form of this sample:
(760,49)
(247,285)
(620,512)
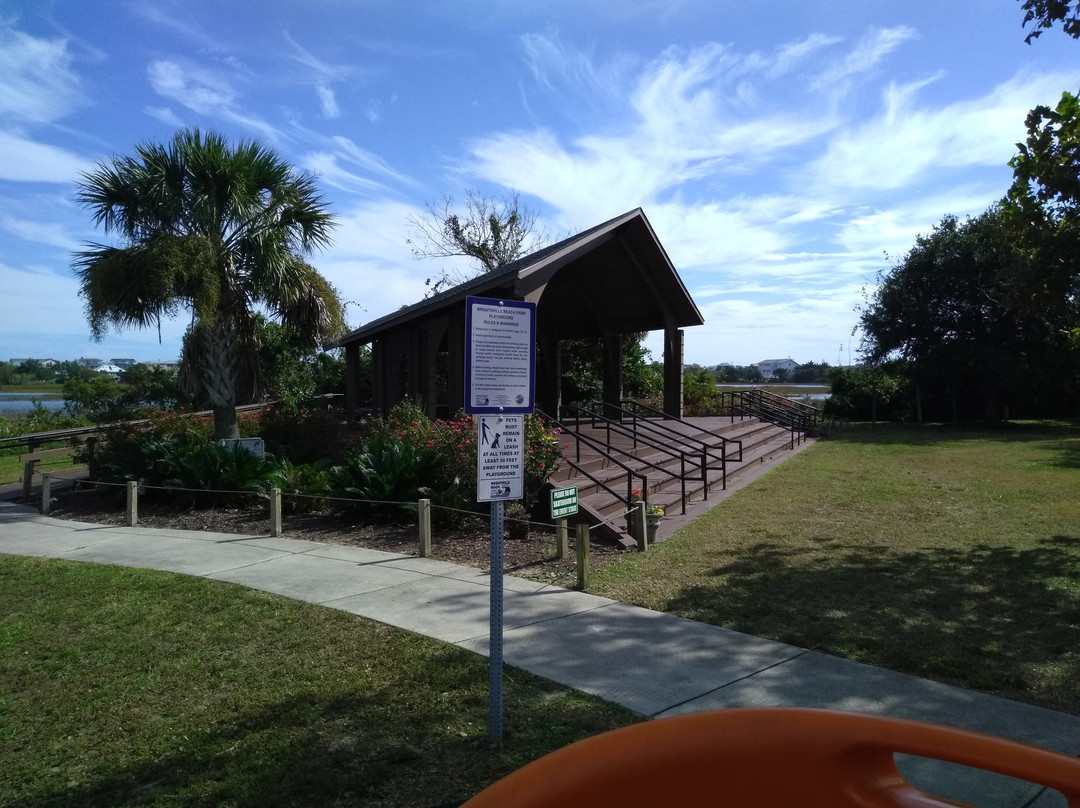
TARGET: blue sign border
(530,401)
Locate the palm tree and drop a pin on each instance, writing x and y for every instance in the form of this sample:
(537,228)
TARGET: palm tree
(220,231)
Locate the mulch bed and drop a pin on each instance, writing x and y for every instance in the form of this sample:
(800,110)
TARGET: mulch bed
(469,545)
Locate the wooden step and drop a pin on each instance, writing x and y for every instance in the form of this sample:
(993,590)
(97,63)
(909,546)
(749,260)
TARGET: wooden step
(760,442)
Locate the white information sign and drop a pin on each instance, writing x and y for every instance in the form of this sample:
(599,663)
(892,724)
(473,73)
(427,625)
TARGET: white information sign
(500,457)
(499,353)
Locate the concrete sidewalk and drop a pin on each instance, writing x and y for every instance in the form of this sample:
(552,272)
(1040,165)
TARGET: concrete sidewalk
(650,662)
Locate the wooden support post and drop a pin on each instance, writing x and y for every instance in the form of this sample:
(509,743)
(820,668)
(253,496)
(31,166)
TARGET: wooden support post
(28,480)
(583,557)
(424,514)
(131,513)
(562,539)
(275,512)
(641,528)
(46,493)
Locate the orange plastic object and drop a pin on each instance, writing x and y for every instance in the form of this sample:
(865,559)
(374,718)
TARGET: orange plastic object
(766,758)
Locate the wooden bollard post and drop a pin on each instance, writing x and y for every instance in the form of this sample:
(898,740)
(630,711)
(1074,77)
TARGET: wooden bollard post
(583,557)
(424,518)
(46,493)
(642,530)
(275,512)
(131,513)
(562,538)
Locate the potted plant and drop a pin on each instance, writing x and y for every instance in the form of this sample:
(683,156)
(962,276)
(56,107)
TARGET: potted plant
(653,515)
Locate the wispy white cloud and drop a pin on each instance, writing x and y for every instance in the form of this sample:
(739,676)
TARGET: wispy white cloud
(328,102)
(685,122)
(205,92)
(323,75)
(351,168)
(875,45)
(561,68)
(25,160)
(792,55)
(908,142)
(50,233)
(178,20)
(38,83)
(202,91)
(166,116)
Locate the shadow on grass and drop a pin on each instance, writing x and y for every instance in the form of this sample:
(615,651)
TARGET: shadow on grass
(997,619)
(302,751)
(351,751)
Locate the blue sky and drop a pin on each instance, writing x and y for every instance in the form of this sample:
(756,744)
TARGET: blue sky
(785,153)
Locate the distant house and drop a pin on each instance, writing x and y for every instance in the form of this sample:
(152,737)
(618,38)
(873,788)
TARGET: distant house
(112,370)
(123,363)
(89,362)
(768,367)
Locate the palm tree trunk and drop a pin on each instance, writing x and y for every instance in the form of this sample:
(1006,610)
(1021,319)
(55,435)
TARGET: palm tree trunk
(219,379)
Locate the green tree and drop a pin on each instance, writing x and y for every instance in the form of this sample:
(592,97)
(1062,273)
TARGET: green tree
(296,373)
(96,396)
(1044,13)
(811,373)
(945,308)
(1042,208)
(147,386)
(1042,212)
(218,230)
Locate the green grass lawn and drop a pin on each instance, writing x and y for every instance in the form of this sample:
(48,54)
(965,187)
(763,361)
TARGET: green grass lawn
(11,470)
(33,387)
(130,687)
(947,553)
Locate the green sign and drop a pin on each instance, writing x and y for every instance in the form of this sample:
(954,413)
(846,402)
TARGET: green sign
(563,502)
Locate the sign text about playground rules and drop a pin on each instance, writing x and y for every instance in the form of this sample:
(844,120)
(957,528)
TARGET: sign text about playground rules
(499,353)
(500,457)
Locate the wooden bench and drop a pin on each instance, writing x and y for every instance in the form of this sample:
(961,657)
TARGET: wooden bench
(32,459)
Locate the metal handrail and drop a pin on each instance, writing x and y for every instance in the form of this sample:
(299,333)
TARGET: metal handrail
(603,451)
(704,447)
(776,409)
(619,428)
(638,405)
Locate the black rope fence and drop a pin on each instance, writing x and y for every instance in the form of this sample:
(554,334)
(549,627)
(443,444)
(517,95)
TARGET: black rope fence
(134,488)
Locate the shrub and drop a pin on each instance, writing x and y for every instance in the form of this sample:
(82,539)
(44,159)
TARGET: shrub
(182,460)
(306,436)
(304,486)
(390,474)
(225,473)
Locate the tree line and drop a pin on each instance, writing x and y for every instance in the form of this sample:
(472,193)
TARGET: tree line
(981,318)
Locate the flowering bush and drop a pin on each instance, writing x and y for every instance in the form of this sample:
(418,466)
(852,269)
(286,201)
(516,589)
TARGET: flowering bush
(453,443)
(163,423)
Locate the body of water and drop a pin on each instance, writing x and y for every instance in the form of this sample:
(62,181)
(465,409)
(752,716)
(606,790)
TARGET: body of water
(12,404)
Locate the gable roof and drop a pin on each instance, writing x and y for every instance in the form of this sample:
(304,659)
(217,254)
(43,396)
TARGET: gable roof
(619,264)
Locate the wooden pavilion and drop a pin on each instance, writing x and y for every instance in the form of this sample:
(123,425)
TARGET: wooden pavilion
(610,280)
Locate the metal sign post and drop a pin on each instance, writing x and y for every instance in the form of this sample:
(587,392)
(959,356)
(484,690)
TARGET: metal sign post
(499,389)
(495,636)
